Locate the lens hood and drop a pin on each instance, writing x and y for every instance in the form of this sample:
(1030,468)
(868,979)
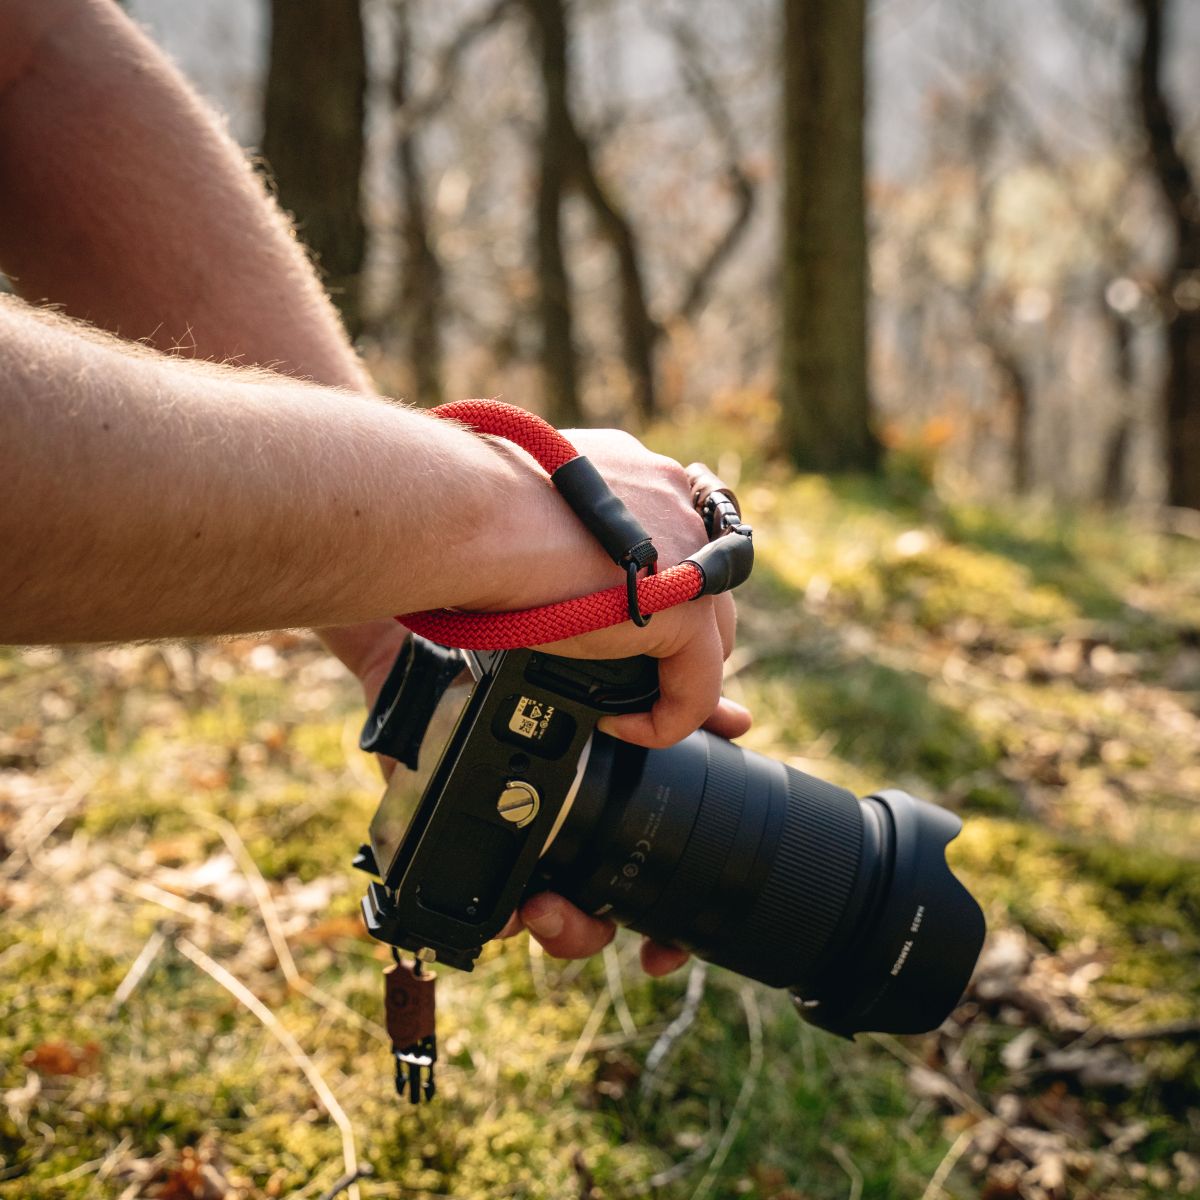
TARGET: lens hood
(915,963)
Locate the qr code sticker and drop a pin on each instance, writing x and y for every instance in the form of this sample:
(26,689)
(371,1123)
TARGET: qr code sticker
(530,718)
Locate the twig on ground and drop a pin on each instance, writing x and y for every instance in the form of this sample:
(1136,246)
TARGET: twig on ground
(964,1100)
(745,1094)
(849,1166)
(245,996)
(1168,1031)
(616,988)
(44,825)
(198,914)
(137,970)
(961,1144)
(586,1036)
(346,1180)
(279,943)
(677,1028)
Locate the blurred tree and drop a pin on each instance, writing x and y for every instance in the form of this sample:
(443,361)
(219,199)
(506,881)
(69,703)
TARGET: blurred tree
(990,301)
(419,301)
(566,164)
(1181,291)
(313,135)
(823,360)
(559,358)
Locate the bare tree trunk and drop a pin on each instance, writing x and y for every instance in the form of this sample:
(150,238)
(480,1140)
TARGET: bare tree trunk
(572,167)
(1016,389)
(559,359)
(1181,293)
(823,361)
(421,290)
(1114,473)
(638,330)
(313,135)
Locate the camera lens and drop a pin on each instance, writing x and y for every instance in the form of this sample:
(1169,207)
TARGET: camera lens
(776,875)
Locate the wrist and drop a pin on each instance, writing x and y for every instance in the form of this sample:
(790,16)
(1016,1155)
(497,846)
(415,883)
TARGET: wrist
(365,649)
(534,550)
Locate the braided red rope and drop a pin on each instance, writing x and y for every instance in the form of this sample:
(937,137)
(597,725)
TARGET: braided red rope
(549,622)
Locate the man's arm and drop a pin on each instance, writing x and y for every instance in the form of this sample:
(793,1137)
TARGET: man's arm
(125,203)
(145,496)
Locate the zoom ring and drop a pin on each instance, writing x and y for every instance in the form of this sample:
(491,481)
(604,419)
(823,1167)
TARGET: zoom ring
(809,882)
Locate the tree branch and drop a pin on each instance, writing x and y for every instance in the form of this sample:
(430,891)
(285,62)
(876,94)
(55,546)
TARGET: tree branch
(703,90)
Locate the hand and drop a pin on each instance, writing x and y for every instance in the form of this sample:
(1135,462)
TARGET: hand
(691,641)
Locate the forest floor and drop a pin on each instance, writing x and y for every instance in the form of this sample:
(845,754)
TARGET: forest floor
(166,810)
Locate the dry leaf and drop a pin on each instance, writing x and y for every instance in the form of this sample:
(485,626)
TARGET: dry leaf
(62,1058)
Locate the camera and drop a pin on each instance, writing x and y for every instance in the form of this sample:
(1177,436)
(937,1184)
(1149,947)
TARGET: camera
(504,788)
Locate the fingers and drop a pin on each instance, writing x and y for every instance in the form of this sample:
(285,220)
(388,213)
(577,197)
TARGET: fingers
(729,719)
(726,616)
(566,932)
(563,929)
(660,959)
(689,689)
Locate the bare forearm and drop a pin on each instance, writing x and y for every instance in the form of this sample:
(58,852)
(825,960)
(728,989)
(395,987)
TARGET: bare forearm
(142,496)
(126,204)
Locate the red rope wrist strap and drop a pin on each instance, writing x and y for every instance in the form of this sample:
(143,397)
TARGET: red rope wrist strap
(569,618)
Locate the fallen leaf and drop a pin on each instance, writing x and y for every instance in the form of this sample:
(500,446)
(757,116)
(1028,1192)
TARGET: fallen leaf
(62,1058)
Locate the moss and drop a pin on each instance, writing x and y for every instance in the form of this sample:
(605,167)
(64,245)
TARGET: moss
(1080,826)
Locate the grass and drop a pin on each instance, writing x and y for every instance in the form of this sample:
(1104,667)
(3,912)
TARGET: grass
(1038,672)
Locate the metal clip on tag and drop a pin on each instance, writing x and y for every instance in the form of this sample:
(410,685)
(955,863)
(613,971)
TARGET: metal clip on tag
(411,1024)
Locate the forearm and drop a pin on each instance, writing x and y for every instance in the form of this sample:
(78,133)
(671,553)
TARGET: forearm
(142,496)
(126,204)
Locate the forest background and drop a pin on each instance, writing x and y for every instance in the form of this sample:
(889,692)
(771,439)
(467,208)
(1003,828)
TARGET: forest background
(921,278)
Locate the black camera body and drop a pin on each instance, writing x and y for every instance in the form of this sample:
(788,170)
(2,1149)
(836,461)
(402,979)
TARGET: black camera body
(504,788)
(464,821)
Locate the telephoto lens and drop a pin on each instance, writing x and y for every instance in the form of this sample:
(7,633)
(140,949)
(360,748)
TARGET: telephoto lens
(755,866)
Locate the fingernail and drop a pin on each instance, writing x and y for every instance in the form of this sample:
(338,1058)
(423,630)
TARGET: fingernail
(548,924)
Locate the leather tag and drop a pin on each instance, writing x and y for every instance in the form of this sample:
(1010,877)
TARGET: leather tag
(409,1010)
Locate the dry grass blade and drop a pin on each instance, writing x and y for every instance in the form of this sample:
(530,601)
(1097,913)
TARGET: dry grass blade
(677,1028)
(246,997)
(137,970)
(44,824)
(279,943)
(754,1029)
(584,1043)
(849,1166)
(962,1143)
(616,988)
